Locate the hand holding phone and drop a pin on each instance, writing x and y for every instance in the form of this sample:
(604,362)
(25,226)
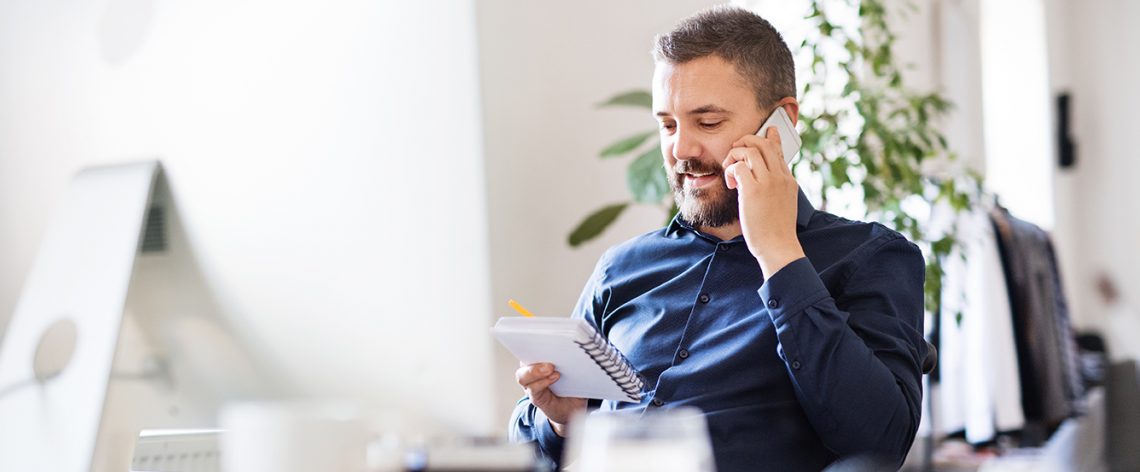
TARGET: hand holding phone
(768,197)
(789,138)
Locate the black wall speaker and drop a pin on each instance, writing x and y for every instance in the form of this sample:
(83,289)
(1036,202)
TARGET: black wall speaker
(1066,148)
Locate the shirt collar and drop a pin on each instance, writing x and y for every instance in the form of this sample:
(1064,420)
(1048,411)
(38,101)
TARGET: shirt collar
(804,211)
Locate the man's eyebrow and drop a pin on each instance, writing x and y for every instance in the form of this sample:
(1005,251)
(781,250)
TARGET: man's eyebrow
(700,111)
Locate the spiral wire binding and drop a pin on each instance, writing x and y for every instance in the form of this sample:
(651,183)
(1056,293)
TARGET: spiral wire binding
(615,364)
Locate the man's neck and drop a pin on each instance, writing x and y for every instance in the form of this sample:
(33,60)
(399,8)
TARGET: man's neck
(724,233)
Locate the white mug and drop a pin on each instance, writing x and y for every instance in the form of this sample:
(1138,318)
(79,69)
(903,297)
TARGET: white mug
(661,440)
(292,437)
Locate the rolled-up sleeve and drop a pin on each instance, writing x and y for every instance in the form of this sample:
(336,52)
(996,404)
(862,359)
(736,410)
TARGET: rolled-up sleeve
(854,356)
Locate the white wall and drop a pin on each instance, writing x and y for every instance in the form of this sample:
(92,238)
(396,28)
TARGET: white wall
(545,65)
(327,159)
(1100,67)
(1067,232)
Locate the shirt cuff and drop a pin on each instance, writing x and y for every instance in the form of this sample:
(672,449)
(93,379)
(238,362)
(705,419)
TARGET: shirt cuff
(548,440)
(791,289)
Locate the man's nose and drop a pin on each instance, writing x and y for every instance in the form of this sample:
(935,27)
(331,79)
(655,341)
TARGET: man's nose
(685,146)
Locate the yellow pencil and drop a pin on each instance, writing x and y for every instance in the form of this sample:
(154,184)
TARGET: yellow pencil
(519,308)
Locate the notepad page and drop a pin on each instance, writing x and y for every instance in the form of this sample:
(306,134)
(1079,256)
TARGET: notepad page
(534,340)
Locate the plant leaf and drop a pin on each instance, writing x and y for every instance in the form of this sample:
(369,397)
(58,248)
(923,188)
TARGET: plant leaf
(646,177)
(634,98)
(626,145)
(594,224)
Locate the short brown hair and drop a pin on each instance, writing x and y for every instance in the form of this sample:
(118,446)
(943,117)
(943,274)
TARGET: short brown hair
(738,36)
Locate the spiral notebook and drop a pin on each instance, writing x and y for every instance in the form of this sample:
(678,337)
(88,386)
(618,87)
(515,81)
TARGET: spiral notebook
(590,366)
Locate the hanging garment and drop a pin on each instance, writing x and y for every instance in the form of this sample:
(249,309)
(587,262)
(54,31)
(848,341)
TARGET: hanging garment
(1067,337)
(980,389)
(1046,348)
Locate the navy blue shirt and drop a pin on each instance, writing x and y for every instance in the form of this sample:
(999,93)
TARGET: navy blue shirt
(820,362)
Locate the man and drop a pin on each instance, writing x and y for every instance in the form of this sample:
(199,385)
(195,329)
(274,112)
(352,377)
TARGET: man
(798,333)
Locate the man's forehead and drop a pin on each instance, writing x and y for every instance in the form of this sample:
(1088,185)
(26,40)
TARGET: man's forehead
(705,85)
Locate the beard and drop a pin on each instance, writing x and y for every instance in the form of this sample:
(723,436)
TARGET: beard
(710,206)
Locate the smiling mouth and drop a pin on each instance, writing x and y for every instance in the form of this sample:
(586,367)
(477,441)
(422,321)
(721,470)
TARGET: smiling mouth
(699,179)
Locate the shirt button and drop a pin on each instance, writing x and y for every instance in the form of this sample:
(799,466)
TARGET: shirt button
(704,298)
(683,354)
(796,365)
(657,402)
(723,248)
(773,303)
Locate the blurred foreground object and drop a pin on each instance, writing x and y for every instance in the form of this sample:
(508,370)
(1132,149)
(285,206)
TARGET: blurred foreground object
(660,441)
(112,333)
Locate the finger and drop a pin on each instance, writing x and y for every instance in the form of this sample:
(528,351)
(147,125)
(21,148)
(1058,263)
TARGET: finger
(752,158)
(749,140)
(733,159)
(738,156)
(538,387)
(729,177)
(529,373)
(769,145)
(756,140)
(773,150)
(738,176)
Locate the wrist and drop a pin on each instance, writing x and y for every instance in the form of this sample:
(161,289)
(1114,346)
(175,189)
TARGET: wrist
(772,261)
(559,428)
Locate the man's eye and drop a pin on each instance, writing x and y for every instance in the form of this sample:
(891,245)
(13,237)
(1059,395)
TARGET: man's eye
(668,126)
(710,124)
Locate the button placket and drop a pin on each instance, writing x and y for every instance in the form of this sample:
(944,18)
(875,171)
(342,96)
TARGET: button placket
(666,382)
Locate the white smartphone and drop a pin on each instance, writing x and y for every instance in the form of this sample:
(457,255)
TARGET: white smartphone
(789,138)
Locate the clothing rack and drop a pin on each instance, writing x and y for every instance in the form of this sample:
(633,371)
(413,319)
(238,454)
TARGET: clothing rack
(1042,348)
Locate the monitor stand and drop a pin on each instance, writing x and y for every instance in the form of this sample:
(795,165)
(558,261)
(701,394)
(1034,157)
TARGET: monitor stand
(80,374)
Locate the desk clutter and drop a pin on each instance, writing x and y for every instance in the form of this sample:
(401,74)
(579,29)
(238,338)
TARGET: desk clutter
(203,451)
(295,437)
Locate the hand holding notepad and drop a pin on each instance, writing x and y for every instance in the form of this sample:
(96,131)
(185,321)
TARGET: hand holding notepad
(590,366)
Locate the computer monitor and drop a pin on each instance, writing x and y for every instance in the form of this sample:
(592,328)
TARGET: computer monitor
(118,331)
(325,161)
(114,331)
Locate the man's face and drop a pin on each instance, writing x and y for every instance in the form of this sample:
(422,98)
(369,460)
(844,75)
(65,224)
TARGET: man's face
(702,107)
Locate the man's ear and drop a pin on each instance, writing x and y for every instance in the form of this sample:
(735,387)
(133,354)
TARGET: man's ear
(792,107)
